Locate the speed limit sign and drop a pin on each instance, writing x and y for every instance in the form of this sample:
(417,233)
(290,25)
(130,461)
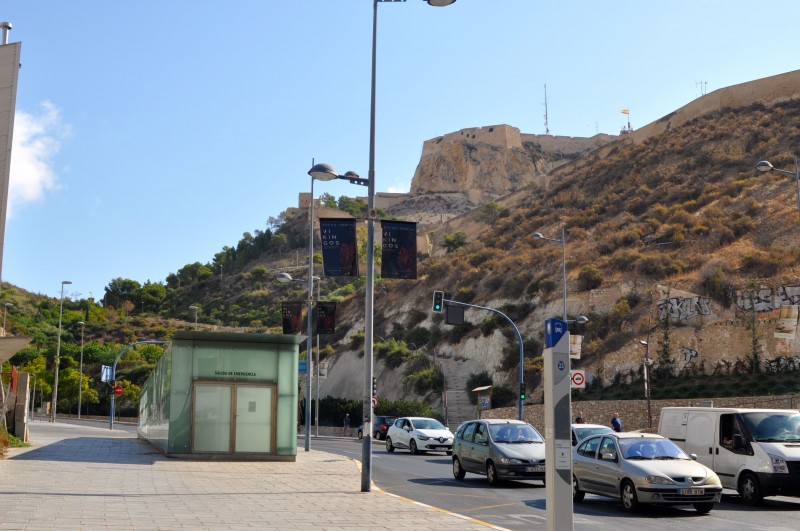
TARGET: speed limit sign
(578,379)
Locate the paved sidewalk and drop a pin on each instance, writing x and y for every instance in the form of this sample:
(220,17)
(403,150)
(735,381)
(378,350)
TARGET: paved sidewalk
(89,477)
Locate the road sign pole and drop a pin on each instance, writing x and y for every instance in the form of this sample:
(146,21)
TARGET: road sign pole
(558,439)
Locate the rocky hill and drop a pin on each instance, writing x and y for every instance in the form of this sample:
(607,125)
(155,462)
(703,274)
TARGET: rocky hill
(670,234)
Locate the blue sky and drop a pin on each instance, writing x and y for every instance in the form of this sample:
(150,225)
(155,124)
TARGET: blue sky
(151,134)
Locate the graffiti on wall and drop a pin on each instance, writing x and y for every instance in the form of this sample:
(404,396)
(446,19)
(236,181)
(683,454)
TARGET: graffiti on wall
(767,299)
(688,354)
(682,308)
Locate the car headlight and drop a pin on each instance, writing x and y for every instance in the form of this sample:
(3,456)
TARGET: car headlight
(778,464)
(422,437)
(659,480)
(511,461)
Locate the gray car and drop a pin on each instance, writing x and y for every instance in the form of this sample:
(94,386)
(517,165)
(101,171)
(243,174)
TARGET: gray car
(499,449)
(640,468)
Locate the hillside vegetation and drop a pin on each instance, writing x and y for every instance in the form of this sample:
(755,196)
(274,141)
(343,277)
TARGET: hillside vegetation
(681,211)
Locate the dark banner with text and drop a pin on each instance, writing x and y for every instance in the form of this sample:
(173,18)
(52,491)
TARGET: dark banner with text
(399,255)
(339,248)
(326,317)
(292,313)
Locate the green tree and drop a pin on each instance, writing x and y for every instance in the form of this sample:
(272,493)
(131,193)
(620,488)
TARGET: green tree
(491,212)
(120,290)
(153,295)
(589,278)
(455,240)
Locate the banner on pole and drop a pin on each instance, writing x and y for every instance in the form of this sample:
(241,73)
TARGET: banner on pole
(399,253)
(339,247)
(292,315)
(326,317)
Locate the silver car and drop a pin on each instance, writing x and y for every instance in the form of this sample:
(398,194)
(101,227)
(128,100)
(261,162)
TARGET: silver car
(641,468)
(499,449)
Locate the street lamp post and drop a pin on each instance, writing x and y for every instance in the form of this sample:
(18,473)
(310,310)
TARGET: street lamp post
(80,371)
(766,166)
(286,277)
(58,353)
(646,373)
(366,449)
(5,310)
(195,315)
(563,242)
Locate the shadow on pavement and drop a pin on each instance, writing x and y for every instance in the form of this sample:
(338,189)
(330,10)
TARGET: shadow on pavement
(129,451)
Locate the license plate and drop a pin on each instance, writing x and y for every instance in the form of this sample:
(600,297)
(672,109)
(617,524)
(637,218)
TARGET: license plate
(537,468)
(691,492)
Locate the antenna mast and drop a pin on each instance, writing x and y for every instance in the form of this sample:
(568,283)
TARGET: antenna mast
(703,85)
(546,129)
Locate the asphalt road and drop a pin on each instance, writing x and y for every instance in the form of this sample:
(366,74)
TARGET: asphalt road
(520,505)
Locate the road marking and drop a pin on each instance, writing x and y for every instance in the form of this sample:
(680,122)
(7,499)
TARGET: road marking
(443,511)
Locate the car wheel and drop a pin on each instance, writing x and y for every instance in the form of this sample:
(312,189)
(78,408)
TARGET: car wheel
(750,489)
(360,434)
(458,472)
(629,500)
(491,474)
(413,447)
(389,445)
(703,508)
(577,494)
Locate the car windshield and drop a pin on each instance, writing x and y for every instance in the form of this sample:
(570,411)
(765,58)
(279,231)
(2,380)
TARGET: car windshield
(773,426)
(514,434)
(428,424)
(650,448)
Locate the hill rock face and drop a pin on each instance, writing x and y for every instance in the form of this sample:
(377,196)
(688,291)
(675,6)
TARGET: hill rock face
(690,247)
(487,162)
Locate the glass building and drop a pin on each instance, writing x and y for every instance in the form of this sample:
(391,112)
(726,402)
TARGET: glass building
(230,395)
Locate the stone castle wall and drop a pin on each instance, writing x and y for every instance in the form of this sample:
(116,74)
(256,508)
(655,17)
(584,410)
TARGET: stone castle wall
(633,413)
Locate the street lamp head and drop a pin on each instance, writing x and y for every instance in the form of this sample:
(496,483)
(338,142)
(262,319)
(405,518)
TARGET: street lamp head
(643,342)
(81,323)
(284,277)
(538,235)
(9,304)
(440,3)
(66,282)
(764,166)
(323,172)
(581,319)
(193,307)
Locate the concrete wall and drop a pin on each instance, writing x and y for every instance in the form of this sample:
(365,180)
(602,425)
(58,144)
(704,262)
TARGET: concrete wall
(633,413)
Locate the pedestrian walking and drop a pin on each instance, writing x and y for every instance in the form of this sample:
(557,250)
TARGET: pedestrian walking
(347,424)
(616,423)
(579,419)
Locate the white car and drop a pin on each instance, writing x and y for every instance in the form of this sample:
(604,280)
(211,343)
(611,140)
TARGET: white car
(580,431)
(419,434)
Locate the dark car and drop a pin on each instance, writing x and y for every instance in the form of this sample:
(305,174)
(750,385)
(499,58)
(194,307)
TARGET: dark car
(380,427)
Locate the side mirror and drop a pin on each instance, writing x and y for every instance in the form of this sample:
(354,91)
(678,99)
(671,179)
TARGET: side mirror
(608,456)
(407,428)
(693,457)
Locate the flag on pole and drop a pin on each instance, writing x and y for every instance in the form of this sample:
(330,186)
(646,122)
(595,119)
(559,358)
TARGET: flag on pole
(625,111)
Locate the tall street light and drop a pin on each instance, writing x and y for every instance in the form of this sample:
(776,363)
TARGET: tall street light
(286,277)
(80,371)
(646,373)
(366,449)
(765,166)
(563,242)
(5,311)
(58,353)
(195,315)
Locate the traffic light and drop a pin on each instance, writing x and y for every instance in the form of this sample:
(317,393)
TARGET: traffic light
(374,386)
(522,391)
(438,301)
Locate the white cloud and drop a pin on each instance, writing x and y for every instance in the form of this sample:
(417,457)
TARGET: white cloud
(399,188)
(37,140)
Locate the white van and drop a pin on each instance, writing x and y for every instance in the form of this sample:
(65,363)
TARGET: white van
(754,451)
